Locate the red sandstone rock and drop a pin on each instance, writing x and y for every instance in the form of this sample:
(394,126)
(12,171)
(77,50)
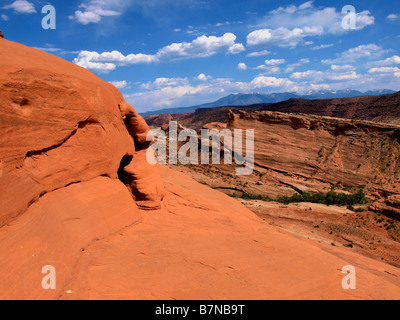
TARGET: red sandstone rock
(389,206)
(325,150)
(61,125)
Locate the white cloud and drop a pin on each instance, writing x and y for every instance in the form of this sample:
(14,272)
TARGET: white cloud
(393,71)
(393,17)
(388,62)
(89,60)
(320,76)
(351,55)
(282,36)
(203,77)
(21,6)
(289,26)
(242,66)
(292,66)
(165,82)
(258,54)
(95,10)
(120,84)
(4,17)
(265,82)
(319,86)
(236,48)
(310,74)
(269,69)
(345,67)
(274,62)
(201,47)
(323,46)
(384,70)
(204,46)
(271,66)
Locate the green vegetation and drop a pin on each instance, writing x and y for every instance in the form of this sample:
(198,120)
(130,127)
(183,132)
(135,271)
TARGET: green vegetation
(330,198)
(247,196)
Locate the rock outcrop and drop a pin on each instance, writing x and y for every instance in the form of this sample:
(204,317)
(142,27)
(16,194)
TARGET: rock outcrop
(1,35)
(325,150)
(389,206)
(384,108)
(88,135)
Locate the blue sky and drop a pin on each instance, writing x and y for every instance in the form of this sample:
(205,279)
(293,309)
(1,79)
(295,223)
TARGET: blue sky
(178,53)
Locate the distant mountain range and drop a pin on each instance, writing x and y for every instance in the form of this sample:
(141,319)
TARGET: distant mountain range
(242,99)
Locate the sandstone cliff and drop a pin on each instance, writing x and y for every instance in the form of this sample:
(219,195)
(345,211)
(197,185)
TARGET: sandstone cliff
(385,108)
(311,149)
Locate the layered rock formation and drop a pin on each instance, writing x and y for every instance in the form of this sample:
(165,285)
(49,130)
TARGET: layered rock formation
(385,108)
(69,145)
(389,206)
(324,150)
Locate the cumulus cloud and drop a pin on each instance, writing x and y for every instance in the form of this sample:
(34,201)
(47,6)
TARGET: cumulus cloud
(353,54)
(21,6)
(236,48)
(320,86)
(345,67)
(393,17)
(319,76)
(242,66)
(258,53)
(266,82)
(322,46)
(393,71)
(388,62)
(292,66)
(384,70)
(204,46)
(282,36)
(120,84)
(95,10)
(274,62)
(203,77)
(165,82)
(271,66)
(289,26)
(199,48)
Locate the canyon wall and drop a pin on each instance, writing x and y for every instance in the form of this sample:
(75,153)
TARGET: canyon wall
(322,149)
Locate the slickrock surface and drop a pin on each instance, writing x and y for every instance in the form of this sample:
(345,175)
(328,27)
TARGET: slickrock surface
(204,245)
(66,153)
